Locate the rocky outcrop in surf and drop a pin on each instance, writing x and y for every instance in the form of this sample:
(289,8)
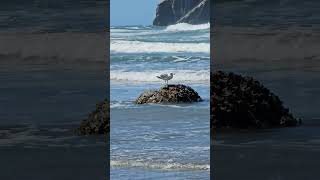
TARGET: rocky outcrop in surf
(181,11)
(242,102)
(98,121)
(170,94)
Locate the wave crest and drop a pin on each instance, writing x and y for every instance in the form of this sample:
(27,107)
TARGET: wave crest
(157,47)
(163,166)
(150,76)
(187,27)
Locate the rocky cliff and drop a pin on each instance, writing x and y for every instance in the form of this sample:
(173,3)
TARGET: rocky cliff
(182,11)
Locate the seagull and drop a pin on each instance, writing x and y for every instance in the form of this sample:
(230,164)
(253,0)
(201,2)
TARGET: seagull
(166,77)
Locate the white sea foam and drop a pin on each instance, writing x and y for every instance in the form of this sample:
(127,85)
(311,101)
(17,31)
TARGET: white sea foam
(122,105)
(173,106)
(117,105)
(157,47)
(134,27)
(187,27)
(180,59)
(150,76)
(167,166)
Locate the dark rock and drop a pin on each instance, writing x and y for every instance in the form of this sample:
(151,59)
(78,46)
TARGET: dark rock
(242,102)
(181,11)
(98,121)
(198,15)
(169,94)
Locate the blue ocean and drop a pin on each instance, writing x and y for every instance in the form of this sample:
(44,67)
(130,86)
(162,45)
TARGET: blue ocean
(52,74)
(159,141)
(275,42)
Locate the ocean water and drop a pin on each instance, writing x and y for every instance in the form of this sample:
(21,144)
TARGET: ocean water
(288,64)
(276,42)
(276,13)
(159,141)
(54,15)
(52,73)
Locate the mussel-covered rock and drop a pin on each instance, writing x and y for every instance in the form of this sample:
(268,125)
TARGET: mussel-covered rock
(169,94)
(98,121)
(243,102)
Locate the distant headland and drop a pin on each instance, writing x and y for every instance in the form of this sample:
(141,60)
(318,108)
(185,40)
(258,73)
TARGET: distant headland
(181,11)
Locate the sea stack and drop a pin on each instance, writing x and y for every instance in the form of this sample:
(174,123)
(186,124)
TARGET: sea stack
(243,102)
(182,11)
(170,94)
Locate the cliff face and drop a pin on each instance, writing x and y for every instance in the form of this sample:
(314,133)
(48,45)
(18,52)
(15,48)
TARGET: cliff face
(182,11)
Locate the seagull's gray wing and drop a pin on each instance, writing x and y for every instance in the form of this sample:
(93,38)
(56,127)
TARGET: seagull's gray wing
(163,76)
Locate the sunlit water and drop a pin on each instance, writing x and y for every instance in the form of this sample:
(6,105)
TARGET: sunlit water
(159,141)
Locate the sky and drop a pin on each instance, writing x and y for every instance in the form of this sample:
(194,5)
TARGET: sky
(132,12)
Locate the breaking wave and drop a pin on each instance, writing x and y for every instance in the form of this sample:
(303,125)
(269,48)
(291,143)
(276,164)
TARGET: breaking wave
(150,76)
(158,47)
(187,27)
(168,166)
